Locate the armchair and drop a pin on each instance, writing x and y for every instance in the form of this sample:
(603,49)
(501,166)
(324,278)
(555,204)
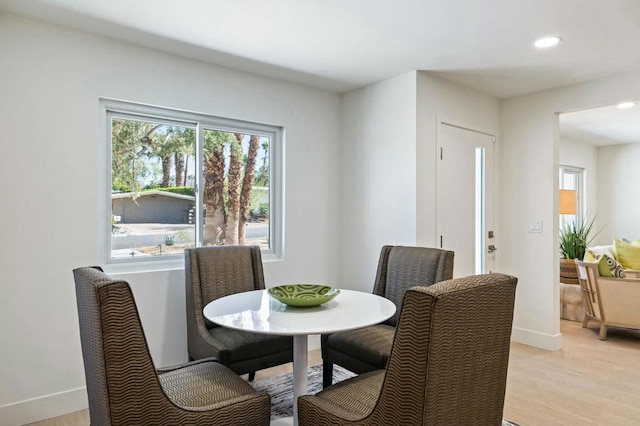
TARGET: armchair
(214,272)
(611,301)
(448,363)
(123,386)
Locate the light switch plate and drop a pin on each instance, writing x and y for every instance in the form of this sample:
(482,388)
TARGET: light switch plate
(535,227)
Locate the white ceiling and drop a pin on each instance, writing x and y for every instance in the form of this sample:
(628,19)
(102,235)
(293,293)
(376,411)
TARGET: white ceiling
(602,126)
(340,45)
(343,44)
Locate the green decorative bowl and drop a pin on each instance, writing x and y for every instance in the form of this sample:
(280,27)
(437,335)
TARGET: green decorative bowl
(303,295)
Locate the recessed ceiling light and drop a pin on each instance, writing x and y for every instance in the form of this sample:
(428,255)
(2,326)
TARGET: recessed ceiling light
(545,42)
(626,105)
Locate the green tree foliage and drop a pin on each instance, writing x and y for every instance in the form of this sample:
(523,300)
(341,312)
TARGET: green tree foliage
(262,174)
(135,142)
(129,144)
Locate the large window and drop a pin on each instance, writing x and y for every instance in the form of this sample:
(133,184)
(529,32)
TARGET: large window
(180,179)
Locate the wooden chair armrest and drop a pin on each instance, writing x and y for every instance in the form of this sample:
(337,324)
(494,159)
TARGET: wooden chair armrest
(632,273)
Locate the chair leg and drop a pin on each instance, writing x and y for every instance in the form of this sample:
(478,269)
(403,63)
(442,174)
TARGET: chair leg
(252,375)
(327,374)
(603,332)
(585,321)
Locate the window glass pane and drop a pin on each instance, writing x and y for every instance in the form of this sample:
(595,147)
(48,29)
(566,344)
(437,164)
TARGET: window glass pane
(569,180)
(152,188)
(236,180)
(479,213)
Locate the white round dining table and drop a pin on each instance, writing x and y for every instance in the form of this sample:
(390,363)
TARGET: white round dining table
(257,312)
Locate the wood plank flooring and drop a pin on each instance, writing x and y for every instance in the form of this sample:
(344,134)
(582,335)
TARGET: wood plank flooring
(588,382)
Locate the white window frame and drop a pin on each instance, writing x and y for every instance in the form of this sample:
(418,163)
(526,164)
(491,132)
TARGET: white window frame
(199,122)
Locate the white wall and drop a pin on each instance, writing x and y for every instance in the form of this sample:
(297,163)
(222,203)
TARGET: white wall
(579,154)
(50,82)
(529,161)
(443,100)
(618,194)
(378,191)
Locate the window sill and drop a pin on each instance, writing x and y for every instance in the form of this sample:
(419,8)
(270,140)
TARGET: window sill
(165,265)
(142,267)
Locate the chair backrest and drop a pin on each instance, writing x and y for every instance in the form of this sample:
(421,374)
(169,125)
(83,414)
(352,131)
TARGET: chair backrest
(588,278)
(117,363)
(218,271)
(400,268)
(450,354)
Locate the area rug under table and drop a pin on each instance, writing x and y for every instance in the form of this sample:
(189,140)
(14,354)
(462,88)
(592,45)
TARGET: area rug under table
(281,391)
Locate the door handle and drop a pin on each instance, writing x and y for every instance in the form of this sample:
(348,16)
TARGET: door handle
(492,248)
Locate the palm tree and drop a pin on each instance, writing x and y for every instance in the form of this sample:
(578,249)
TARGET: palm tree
(247,186)
(184,147)
(164,145)
(234,177)
(262,177)
(214,143)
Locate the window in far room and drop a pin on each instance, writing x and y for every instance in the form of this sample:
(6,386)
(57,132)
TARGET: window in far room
(179,180)
(571,205)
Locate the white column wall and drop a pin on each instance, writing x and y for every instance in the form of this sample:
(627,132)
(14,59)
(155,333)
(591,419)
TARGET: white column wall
(528,185)
(378,191)
(50,82)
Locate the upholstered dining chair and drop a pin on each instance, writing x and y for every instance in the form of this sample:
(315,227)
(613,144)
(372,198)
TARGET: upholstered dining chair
(367,349)
(215,272)
(448,363)
(123,386)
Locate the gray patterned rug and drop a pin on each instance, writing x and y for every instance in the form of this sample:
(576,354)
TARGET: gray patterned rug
(279,388)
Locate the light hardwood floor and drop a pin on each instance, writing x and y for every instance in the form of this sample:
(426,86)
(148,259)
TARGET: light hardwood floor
(588,382)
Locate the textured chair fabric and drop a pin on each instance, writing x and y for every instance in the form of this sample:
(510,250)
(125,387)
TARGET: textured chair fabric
(215,272)
(123,386)
(399,268)
(448,363)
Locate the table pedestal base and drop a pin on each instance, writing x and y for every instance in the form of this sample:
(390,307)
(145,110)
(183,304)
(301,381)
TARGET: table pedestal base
(299,371)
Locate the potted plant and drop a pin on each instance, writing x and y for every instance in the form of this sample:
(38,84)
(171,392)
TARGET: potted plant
(574,240)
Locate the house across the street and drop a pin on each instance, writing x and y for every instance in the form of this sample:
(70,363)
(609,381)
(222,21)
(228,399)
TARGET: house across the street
(151,207)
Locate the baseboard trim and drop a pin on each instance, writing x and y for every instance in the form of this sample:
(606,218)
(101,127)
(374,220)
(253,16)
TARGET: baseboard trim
(550,342)
(44,407)
(313,342)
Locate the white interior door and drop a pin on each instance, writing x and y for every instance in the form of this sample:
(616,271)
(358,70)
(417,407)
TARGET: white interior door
(464,204)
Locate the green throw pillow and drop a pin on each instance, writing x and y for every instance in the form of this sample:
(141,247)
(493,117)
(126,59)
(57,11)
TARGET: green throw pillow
(609,267)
